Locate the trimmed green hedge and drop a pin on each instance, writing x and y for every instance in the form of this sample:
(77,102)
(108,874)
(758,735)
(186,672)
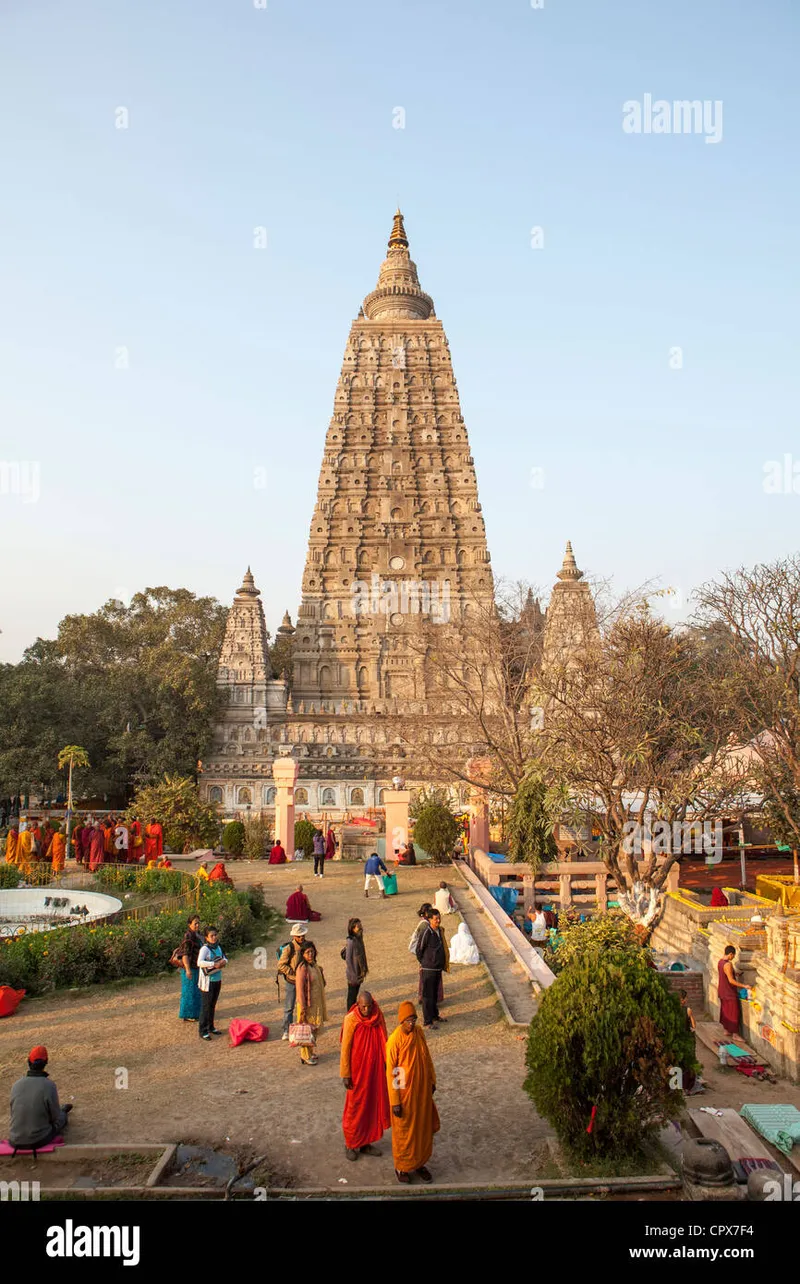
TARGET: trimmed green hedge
(89,954)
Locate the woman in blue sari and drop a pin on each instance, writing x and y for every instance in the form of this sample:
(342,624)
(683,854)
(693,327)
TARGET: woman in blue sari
(191,998)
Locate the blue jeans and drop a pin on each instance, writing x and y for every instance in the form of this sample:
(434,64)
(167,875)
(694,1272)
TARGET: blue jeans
(289,1002)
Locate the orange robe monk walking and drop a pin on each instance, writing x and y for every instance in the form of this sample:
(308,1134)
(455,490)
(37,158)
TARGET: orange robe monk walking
(11,845)
(58,848)
(153,841)
(411,1081)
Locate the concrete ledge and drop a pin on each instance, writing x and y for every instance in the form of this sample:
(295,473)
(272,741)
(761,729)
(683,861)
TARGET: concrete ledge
(524,953)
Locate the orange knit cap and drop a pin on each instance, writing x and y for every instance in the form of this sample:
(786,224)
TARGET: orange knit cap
(405,1010)
(38,1053)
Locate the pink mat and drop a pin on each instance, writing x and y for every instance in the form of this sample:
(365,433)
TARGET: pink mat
(7,1149)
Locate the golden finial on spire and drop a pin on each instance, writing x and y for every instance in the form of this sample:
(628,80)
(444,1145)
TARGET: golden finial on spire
(398,239)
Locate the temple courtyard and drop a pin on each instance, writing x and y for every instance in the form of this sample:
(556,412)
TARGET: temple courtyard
(258,1099)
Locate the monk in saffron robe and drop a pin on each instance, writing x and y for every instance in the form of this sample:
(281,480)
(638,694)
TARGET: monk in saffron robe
(298,908)
(97,847)
(411,1083)
(24,849)
(136,848)
(108,839)
(219,874)
(361,1068)
(153,841)
(11,844)
(58,848)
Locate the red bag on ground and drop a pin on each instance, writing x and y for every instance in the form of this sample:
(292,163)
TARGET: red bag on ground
(10,1000)
(242,1031)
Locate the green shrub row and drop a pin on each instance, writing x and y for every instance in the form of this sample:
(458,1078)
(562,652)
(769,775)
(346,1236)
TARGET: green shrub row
(92,953)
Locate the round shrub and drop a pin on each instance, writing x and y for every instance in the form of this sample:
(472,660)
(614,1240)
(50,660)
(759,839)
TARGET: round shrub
(233,837)
(601,1053)
(304,833)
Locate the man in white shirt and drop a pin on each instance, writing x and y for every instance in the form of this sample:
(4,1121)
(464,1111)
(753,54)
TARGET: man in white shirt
(539,931)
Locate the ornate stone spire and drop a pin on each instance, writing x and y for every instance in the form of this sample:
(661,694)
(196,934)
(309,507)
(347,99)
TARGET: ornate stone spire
(398,292)
(286,628)
(397,500)
(571,619)
(569,567)
(245,654)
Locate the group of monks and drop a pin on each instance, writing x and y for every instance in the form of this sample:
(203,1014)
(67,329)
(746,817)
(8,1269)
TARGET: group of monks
(110,841)
(389,1082)
(27,846)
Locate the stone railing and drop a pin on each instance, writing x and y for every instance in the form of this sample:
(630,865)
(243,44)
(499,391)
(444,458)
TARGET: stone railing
(582,884)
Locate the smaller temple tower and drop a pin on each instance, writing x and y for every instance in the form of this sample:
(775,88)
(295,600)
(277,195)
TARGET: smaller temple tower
(571,619)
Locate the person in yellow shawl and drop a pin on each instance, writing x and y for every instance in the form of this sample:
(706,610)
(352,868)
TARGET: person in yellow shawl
(411,1080)
(311,1007)
(11,843)
(24,849)
(58,849)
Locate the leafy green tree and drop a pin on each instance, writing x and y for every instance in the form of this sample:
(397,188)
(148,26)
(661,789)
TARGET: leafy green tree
(187,822)
(233,837)
(603,1050)
(531,822)
(436,830)
(134,685)
(611,931)
(304,837)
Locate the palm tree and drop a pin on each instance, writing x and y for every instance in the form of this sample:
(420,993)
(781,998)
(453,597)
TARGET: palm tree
(71,756)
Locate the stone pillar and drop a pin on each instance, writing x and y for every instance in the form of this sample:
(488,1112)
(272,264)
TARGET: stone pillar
(284,773)
(479,804)
(396,802)
(601,892)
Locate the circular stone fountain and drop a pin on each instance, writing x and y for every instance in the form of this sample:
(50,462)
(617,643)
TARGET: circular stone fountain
(40,909)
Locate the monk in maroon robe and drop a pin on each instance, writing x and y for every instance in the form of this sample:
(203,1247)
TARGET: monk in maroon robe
(298,908)
(97,847)
(730,1008)
(362,1068)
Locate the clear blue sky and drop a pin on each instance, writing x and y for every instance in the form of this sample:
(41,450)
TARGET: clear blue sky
(242,117)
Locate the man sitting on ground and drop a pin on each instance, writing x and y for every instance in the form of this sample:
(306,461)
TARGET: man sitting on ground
(444,901)
(36,1115)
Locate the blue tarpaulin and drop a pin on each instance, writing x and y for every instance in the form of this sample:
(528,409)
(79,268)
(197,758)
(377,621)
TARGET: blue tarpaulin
(506,898)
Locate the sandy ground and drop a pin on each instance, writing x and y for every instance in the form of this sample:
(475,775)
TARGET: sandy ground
(257,1096)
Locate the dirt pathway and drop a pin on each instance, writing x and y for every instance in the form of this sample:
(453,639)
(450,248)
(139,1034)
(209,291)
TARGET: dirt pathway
(257,1096)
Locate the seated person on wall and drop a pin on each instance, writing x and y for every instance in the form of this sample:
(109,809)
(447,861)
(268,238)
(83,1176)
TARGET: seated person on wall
(36,1115)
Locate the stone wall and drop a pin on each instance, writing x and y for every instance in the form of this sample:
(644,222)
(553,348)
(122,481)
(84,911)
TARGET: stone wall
(767,958)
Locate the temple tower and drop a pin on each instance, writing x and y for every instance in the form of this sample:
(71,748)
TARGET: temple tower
(571,618)
(397,529)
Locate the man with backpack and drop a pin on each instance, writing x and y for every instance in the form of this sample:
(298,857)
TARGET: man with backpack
(290,956)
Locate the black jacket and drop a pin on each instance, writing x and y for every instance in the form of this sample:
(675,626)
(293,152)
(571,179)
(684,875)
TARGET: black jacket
(430,951)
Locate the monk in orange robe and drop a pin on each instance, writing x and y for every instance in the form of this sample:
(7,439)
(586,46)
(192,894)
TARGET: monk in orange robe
(153,841)
(11,843)
(47,838)
(58,849)
(136,846)
(108,838)
(361,1068)
(24,849)
(411,1082)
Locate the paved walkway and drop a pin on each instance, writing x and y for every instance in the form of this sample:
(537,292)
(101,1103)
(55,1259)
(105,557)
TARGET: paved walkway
(509,975)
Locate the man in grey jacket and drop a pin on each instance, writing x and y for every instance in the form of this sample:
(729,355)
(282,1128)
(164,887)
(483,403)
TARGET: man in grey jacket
(36,1115)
